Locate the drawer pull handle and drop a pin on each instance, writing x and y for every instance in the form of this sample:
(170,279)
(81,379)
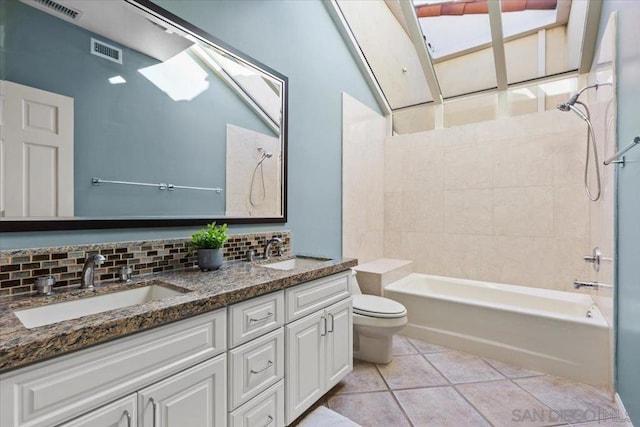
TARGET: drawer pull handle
(269,364)
(324,330)
(153,405)
(260,319)
(270,420)
(126,414)
(331,330)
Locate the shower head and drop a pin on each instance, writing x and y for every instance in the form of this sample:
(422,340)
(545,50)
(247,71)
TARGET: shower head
(566,106)
(266,155)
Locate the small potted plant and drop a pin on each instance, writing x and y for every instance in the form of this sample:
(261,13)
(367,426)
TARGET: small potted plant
(208,242)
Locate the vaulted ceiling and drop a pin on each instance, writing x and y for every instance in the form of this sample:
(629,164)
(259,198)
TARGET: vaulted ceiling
(422,53)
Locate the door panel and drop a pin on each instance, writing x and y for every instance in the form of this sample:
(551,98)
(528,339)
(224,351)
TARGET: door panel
(195,397)
(339,342)
(304,372)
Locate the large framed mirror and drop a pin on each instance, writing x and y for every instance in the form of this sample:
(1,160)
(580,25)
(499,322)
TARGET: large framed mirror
(118,114)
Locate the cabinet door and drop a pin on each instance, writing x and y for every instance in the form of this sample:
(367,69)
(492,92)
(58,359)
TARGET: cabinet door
(121,413)
(304,371)
(339,361)
(195,397)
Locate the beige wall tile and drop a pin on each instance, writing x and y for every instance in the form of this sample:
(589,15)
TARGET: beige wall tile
(468,211)
(471,256)
(571,212)
(468,166)
(526,261)
(422,211)
(518,164)
(523,211)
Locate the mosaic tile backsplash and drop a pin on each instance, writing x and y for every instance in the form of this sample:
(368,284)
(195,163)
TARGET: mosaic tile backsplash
(20,268)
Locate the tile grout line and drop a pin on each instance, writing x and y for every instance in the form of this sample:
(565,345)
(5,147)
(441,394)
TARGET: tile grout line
(563,423)
(395,399)
(453,386)
(473,406)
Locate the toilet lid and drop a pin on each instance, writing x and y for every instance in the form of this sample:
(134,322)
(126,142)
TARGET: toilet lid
(374,306)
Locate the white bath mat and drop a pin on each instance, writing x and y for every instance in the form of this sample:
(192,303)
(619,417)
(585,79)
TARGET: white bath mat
(325,417)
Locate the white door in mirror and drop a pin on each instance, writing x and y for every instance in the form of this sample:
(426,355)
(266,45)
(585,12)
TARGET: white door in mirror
(36,137)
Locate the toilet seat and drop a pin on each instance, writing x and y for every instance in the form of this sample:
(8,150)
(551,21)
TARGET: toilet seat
(378,307)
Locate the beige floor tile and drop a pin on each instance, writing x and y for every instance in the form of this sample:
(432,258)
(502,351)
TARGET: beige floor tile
(617,422)
(438,406)
(401,345)
(505,404)
(574,401)
(512,371)
(461,367)
(364,377)
(425,347)
(378,409)
(411,371)
(323,416)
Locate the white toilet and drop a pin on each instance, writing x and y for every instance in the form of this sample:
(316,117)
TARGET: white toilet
(375,321)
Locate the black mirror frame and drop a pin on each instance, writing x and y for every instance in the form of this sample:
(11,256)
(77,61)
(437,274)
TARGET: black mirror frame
(92,224)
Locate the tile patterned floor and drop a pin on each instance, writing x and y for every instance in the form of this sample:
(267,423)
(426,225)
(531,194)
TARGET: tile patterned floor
(429,385)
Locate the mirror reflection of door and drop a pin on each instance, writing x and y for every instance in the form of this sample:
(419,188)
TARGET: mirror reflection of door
(36,152)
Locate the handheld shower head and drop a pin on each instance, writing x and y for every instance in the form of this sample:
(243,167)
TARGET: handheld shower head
(566,106)
(267,155)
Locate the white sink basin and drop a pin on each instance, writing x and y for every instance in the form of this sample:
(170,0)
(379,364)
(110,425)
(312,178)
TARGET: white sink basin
(291,264)
(54,313)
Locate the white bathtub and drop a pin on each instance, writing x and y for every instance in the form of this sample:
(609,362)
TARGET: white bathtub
(560,333)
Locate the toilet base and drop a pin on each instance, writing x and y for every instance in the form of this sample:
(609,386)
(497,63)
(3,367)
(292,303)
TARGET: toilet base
(375,343)
(374,350)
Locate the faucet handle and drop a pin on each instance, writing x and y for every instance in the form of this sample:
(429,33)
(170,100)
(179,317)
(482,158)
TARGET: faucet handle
(97,259)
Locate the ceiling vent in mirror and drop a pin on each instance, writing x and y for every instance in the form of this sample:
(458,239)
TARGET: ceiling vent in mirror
(56,9)
(106,51)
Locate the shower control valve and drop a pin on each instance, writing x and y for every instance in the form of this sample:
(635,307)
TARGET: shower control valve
(594,258)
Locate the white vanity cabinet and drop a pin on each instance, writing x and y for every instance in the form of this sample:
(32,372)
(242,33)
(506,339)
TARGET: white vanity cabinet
(258,363)
(319,344)
(79,384)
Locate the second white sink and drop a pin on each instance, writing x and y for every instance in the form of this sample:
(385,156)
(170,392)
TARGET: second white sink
(291,264)
(54,313)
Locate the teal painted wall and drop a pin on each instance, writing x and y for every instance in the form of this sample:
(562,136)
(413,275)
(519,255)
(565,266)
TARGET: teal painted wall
(628,203)
(299,39)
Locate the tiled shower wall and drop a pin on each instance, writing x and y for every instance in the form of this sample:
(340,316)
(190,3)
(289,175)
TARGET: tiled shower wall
(500,201)
(20,268)
(363,134)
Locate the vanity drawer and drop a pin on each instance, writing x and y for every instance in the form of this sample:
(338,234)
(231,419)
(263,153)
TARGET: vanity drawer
(266,409)
(67,386)
(315,295)
(255,317)
(255,366)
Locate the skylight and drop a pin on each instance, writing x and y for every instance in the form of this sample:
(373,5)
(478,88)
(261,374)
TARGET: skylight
(455,27)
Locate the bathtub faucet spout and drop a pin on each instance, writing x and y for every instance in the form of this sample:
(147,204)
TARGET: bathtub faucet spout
(578,284)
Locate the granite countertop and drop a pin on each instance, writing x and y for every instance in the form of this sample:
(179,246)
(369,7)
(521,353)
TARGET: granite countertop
(202,292)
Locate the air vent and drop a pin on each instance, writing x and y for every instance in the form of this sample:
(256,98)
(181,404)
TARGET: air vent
(106,51)
(59,9)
